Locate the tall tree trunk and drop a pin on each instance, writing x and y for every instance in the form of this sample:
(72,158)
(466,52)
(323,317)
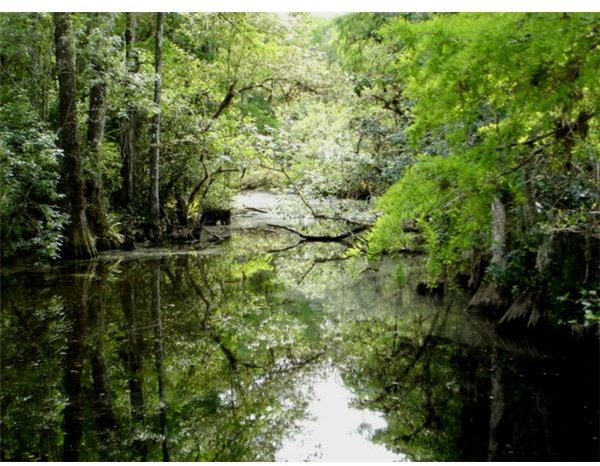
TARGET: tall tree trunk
(498,233)
(129,142)
(95,135)
(95,209)
(490,294)
(155,227)
(79,242)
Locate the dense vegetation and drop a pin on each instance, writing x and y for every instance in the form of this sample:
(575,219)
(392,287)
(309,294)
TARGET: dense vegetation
(480,132)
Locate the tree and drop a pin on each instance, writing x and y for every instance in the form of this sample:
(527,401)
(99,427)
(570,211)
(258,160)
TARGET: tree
(99,50)
(510,108)
(79,242)
(155,223)
(31,218)
(130,122)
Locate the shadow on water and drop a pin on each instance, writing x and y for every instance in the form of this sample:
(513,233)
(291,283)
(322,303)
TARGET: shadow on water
(239,355)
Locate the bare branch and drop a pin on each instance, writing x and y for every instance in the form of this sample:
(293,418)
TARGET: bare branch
(322,238)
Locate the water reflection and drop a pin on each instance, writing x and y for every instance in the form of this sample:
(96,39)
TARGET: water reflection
(220,357)
(165,359)
(451,395)
(334,430)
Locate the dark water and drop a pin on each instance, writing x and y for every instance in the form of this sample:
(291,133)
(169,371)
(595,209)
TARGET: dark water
(241,355)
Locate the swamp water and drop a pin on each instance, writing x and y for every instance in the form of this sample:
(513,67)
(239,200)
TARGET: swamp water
(234,353)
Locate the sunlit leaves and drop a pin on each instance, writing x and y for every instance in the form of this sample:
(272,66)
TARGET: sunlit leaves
(505,103)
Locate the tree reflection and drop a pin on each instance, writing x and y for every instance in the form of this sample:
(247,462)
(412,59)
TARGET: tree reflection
(75,298)
(206,358)
(159,356)
(187,359)
(449,400)
(134,362)
(103,403)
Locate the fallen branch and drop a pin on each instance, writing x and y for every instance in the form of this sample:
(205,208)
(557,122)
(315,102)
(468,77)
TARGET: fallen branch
(322,238)
(254,209)
(321,260)
(312,266)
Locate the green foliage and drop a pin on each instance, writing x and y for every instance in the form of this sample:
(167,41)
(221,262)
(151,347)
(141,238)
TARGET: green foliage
(504,105)
(453,110)
(318,145)
(27,50)
(235,350)
(449,200)
(590,301)
(31,219)
(216,116)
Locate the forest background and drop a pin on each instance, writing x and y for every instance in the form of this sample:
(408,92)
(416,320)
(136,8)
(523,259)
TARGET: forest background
(476,134)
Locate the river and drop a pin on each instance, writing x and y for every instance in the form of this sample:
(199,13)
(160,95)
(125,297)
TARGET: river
(263,349)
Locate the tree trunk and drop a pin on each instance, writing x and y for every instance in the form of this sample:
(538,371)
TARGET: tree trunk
(129,141)
(79,242)
(95,135)
(498,233)
(97,113)
(490,294)
(155,227)
(182,210)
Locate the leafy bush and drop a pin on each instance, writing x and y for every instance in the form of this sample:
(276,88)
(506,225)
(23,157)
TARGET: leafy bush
(31,218)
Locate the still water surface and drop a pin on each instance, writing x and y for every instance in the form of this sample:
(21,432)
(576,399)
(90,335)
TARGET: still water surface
(234,353)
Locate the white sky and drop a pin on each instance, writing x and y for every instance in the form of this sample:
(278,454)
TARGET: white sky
(323,6)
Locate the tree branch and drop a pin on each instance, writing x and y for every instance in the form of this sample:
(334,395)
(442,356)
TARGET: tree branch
(226,100)
(322,238)
(207,177)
